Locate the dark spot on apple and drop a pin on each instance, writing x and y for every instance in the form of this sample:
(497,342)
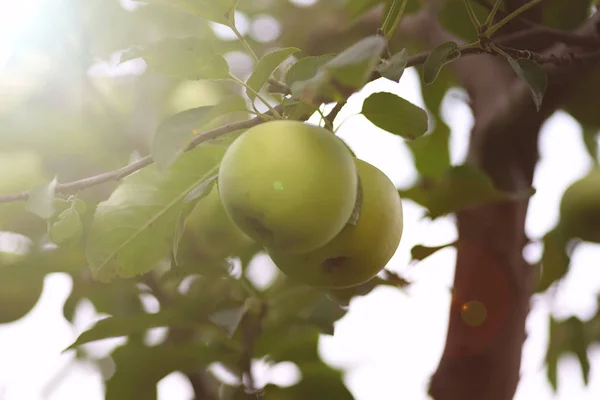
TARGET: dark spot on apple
(259,228)
(334,263)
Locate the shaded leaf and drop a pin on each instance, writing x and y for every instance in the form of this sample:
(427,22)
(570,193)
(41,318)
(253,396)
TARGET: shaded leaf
(319,381)
(265,68)
(392,16)
(188,58)
(460,187)
(111,327)
(216,11)
(393,68)
(139,368)
(555,260)
(395,115)
(565,15)
(420,252)
(534,75)
(440,56)
(229,320)
(568,336)
(133,230)
(591,143)
(41,200)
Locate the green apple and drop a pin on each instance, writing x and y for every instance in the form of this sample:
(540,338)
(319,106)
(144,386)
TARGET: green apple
(359,252)
(289,185)
(212,232)
(580,208)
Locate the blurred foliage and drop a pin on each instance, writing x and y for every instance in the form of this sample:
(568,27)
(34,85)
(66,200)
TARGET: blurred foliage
(94,85)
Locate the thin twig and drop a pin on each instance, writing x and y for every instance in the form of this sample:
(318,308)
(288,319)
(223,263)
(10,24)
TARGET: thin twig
(118,174)
(334,112)
(418,59)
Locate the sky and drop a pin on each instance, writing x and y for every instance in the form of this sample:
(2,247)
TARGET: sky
(390,342)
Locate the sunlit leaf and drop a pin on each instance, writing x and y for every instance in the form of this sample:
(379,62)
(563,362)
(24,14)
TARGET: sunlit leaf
(395,115)
(41,200)
(211,10)
(188,58)
(68,226)
(265,68)
(133,230)
(306,68)
(175,134)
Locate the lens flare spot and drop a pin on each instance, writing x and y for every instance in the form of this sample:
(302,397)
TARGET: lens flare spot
(473,313)
(277,185)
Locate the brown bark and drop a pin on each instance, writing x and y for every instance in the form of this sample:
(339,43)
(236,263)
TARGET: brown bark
(484,362)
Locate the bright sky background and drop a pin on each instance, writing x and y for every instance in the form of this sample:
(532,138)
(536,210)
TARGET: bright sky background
(390,342)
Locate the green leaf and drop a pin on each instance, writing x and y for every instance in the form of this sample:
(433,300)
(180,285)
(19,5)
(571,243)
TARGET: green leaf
(459,188)
(431,151)
(440,56)
(319,381)
(591,144)
(353,67)
(393,68)
(306,68)
(568,336)
(175,134)
(138,368)
(534,75)
(68,227)
(216,11)
(566,15)
(132,231)
(229,320)
(420,252)
(112,327)
(189,58)
(202,190)
(555,260)
(395,115)
(342,75)
(265,68)
(41,200)
(393,15)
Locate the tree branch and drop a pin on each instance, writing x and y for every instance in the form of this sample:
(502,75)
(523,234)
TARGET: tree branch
(484,362)
(118,174)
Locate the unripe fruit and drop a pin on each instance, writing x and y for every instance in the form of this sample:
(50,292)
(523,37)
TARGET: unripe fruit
(288,185)
(359,252)
(211,229)
(580,208)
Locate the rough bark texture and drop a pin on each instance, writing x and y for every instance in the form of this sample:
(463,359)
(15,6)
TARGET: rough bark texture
(484,362)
